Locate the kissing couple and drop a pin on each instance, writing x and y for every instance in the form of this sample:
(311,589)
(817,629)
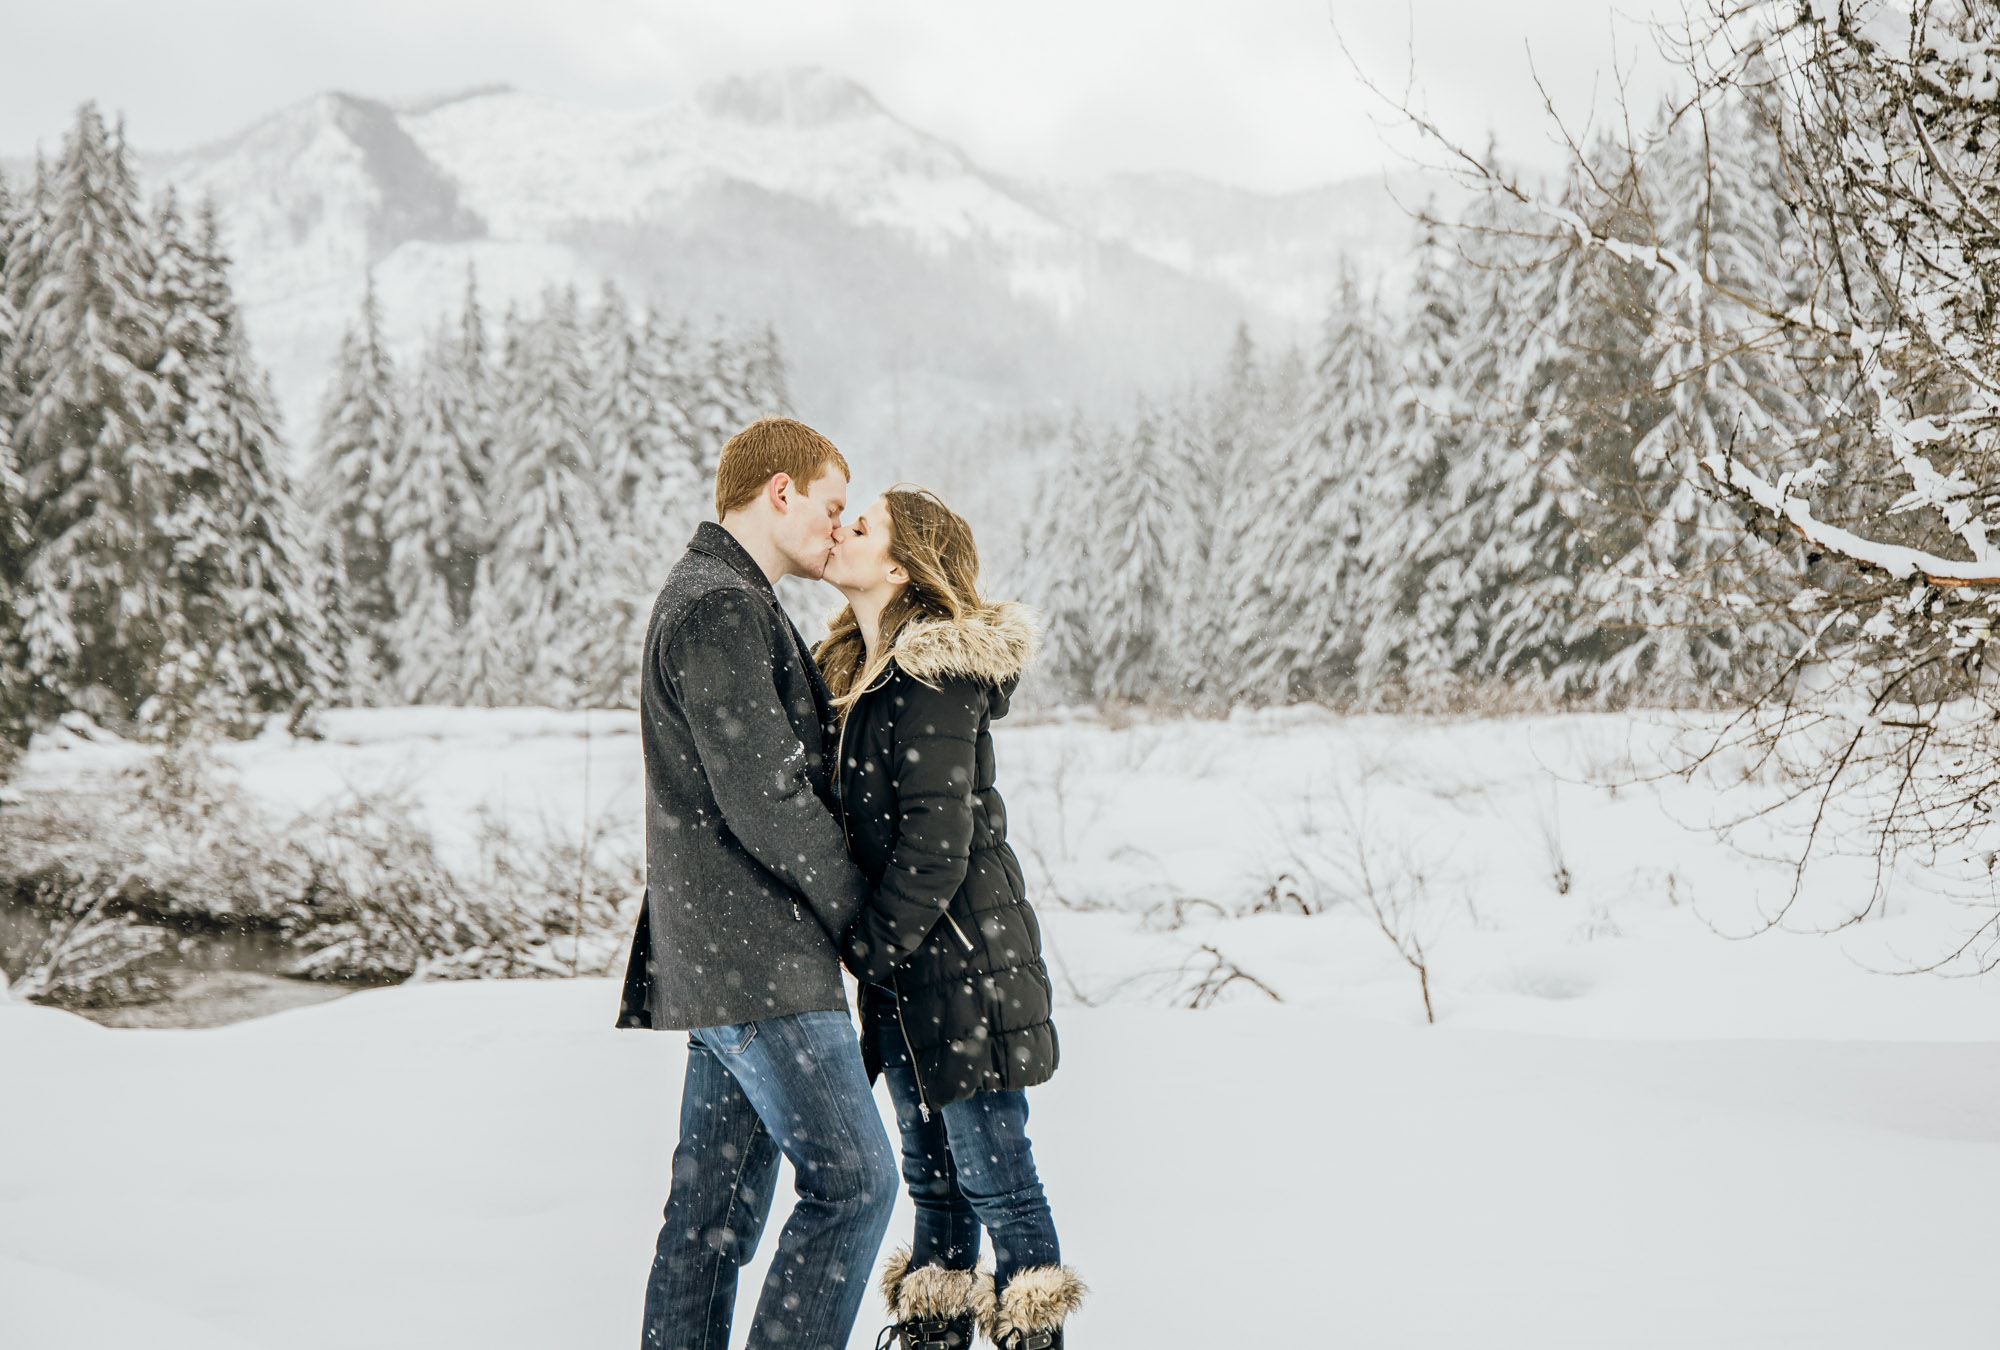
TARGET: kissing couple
(805,812)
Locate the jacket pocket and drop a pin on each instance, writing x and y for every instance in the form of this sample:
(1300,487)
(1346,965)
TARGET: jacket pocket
(733,1039)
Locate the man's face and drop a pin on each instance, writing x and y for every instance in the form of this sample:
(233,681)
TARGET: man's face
(810,521)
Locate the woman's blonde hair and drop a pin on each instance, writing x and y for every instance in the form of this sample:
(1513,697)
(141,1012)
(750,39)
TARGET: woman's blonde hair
(934,545)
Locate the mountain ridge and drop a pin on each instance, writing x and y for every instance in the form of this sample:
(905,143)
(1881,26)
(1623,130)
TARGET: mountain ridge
(913,290)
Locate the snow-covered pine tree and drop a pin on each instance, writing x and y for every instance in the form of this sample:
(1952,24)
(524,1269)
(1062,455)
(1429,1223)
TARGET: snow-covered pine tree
(1680,587)
(433,519)
(479,416)
(1568,400)
(1404,641)
(1059,572)
(672,489)
(764,378)
(1210,434)
(487,677)
(739,380)
(551,525)
(86,438)
(1297,621)
(14,686)
(435,509)
(1501,538)
(360,428)
(1134,577)
(247,636)
(1198,436)
(1259,403)
(618,403)
(634,443)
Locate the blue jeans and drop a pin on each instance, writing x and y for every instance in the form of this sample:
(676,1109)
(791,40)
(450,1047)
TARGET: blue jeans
(792,1085)
(969,1165)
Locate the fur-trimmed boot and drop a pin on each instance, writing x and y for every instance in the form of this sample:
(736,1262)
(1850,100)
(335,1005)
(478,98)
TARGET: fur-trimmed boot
(1031,1310)
(933,1306)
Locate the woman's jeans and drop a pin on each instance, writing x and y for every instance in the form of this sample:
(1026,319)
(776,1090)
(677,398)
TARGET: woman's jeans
(969,1164)
(792,1085)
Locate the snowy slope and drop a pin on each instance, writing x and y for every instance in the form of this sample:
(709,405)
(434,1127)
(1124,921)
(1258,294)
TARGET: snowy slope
(910,287)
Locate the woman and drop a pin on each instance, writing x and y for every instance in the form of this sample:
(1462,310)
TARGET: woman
(955,1000)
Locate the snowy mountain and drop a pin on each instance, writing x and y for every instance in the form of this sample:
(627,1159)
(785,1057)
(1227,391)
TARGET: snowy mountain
(910,288)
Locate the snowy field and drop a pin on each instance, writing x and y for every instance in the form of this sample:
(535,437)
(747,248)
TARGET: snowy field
(1624,1130)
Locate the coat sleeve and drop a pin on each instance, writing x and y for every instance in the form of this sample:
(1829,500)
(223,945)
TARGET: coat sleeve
(719,664)
(936,744)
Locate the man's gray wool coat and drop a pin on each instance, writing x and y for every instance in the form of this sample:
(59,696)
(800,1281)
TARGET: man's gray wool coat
(749,885)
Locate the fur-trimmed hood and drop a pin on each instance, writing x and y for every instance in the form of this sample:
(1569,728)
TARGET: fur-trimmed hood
(995,644)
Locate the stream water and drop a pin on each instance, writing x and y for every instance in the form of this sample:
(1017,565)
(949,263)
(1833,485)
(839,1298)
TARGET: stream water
(210,974)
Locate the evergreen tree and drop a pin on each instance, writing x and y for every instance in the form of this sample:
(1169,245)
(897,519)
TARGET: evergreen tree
(1133,582)
(14,684)
(619,401)
(1499,538)
(739,381)
(1198,438)
(87,435)
(1405,640)
(360,431)
(666,482)
(1563,416)
(552,539)
(1679,586)
(1059,569)
(1300,588)
(489,675)
(434,510)
(246,636)
(431,515)
(769,394)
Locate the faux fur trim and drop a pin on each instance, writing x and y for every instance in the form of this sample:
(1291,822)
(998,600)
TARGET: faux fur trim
(995,643)
(928,1293)
(1040,1298)
(983,1310)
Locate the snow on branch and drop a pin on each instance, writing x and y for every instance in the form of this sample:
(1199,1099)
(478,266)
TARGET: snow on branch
(1896,560)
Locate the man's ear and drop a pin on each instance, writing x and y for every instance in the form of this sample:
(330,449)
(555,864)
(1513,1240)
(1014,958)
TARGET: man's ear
(775,490)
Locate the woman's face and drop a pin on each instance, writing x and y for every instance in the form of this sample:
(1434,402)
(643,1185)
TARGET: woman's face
(861,564)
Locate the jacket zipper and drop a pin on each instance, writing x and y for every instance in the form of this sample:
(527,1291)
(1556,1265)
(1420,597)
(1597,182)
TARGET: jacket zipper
(923,1102)
(840,799)
(840,781)
(956,929)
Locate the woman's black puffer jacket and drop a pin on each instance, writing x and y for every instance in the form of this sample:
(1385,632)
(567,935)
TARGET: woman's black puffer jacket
(948,925)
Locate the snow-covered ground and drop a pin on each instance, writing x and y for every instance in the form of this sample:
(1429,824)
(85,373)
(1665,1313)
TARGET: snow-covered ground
(1624,1130)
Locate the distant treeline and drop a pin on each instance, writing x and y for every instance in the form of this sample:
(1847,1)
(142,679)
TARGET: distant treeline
(1488,484)
(1489,489)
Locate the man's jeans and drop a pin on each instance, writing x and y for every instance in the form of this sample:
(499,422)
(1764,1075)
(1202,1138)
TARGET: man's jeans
(794,1085)
(969,1164)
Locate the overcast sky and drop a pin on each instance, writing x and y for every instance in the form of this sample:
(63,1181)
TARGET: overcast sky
(1254,92)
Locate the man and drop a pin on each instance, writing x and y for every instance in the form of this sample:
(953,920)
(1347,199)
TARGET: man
(749,887)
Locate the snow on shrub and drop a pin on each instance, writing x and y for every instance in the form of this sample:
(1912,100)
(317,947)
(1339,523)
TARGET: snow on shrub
(356,887)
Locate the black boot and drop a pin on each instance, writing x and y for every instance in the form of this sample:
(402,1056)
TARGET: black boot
(1030,1312)
(950,1334)
(932,1306)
